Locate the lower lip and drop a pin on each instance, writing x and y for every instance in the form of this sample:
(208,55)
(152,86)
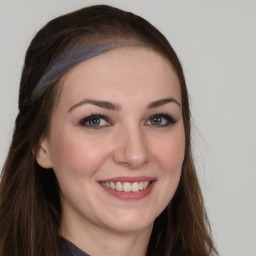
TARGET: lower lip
(130,195)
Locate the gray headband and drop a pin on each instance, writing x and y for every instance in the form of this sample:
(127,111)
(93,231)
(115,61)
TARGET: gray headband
(69,59)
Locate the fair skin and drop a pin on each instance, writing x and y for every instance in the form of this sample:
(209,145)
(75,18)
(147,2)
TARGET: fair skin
(118,122)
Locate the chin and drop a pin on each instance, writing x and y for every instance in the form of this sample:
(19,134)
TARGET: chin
(130,222)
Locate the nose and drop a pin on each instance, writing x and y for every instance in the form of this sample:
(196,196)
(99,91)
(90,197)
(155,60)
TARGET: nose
(131,149)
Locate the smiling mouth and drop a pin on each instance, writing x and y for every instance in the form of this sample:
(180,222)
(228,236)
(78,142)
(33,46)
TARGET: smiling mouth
(126,186)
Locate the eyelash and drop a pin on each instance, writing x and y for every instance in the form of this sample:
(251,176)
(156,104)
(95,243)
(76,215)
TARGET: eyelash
(96,117)
(169,119)
(93,117)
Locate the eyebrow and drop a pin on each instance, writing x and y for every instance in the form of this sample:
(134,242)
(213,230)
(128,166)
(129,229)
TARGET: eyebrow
(159,103)
(116,107)
(99,103)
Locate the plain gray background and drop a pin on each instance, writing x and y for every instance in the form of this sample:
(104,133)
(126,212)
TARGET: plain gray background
(216,43)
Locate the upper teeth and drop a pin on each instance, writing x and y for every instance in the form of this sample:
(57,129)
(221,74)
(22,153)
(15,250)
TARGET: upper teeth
(126,186)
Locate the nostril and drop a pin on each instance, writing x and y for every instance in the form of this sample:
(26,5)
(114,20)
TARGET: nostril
(125,164)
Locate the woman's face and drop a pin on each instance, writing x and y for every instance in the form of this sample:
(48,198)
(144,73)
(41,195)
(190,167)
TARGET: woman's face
(116,141)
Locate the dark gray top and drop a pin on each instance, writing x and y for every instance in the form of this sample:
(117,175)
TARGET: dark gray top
(69,249)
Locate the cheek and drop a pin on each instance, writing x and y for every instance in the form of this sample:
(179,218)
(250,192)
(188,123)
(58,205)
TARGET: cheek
(171,153)
(170,158)
(75,154)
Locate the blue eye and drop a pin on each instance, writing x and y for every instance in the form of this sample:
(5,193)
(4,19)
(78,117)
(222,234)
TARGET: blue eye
(161,120)
(95,121)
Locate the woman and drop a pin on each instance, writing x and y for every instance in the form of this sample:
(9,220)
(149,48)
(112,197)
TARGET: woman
(100,161)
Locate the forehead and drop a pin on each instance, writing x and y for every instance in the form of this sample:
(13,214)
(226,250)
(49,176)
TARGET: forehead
(124,70)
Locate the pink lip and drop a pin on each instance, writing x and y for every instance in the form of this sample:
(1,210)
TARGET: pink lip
(130,179)
(130,195)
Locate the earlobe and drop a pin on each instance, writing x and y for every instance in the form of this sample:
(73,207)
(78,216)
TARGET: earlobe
(43,156)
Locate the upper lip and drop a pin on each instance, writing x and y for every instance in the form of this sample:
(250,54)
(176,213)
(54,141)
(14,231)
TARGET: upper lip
(130,179)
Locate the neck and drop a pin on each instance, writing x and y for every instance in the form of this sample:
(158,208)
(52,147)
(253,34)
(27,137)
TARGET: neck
(97,241)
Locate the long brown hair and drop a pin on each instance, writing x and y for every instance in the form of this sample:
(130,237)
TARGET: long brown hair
(30,209)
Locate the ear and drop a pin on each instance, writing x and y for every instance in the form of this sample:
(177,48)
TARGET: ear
(43,155)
